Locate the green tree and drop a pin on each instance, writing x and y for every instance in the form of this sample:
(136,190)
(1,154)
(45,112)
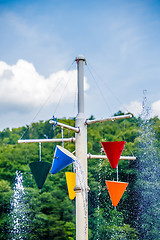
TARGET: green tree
(51,215)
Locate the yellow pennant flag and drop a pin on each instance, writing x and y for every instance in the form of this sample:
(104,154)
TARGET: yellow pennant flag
(71,183)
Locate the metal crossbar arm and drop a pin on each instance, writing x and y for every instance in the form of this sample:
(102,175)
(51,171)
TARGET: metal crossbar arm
(108,119)
(47,140)
(89,156)
(75,129)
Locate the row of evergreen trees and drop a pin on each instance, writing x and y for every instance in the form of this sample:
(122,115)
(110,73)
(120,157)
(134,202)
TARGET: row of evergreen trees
(51,215)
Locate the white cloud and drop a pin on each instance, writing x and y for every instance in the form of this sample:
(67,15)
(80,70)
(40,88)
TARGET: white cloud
(21,86)
(155,108)
(134,107)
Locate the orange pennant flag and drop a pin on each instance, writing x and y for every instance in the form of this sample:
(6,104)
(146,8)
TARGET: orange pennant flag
(116,190)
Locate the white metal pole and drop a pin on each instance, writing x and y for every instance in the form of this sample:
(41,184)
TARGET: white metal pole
(80,59)
(81,154)
(47,140)
(64,125)
(90,156)
(62,137)
(40,151)
(108,119)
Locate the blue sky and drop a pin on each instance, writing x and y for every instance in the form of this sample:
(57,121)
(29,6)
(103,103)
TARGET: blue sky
(40,40)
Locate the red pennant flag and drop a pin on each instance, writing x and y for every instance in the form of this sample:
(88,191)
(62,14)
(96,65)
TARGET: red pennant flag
(113,151)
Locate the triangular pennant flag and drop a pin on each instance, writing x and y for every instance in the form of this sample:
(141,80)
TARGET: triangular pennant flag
(40,171)
(62,158)
(113,151)
(116,190)
(71,183)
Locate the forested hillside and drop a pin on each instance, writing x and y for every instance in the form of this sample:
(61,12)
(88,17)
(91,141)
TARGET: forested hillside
(50,213)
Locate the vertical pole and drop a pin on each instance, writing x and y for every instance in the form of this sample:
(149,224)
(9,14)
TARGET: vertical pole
(81,154)
(80,83)
(62,137)
(117,172)
(40,151)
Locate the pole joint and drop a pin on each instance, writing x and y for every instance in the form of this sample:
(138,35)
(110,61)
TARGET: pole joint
(77,189)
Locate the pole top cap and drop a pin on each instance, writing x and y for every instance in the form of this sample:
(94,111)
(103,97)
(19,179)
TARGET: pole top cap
(80,57)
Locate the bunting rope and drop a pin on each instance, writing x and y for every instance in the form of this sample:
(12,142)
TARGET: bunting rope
(104,83)
(61,96)
(101,93)
(46,100)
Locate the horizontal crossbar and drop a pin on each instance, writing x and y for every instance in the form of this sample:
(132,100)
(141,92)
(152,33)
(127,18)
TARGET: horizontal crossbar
(47,140)
(89,156)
